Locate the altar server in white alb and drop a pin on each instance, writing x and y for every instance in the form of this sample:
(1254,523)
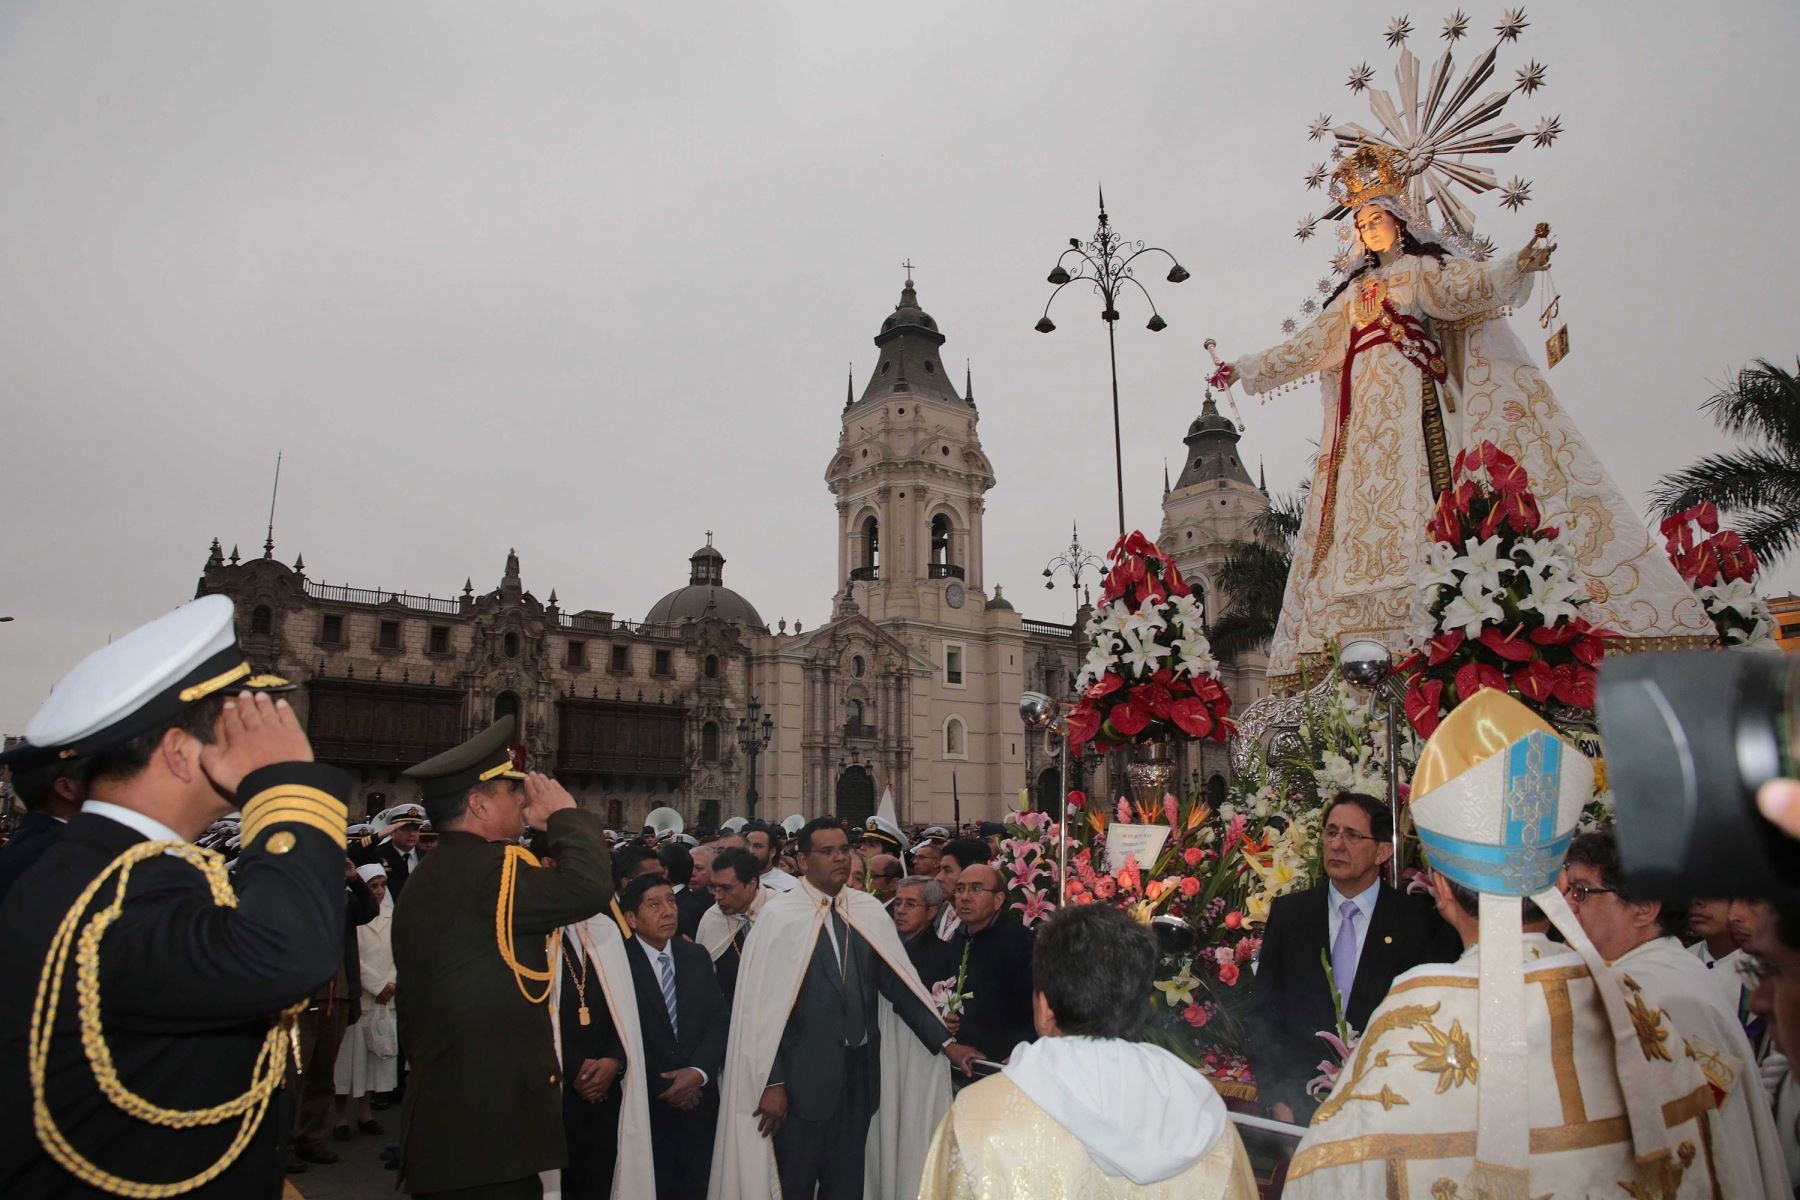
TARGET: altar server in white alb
(1525,1068)
(832,1077)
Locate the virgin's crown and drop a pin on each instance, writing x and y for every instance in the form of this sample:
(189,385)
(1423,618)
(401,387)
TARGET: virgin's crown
(1368,173)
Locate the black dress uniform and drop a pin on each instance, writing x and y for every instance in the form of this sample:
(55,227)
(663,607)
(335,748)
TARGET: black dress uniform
(484,1096)
(189,990)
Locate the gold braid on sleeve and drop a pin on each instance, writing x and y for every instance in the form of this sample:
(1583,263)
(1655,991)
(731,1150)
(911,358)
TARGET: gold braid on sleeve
(265,1076)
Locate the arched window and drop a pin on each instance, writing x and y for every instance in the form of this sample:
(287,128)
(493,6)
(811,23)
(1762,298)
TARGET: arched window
(871,542)
(510,644)
(712,666)
(940,540)
(956,738)
(853,712)
(1215,791)
(506,704)
(262,619)
(709,741)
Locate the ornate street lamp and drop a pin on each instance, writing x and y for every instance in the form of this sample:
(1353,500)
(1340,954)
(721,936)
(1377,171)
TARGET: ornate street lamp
(1106,262)
(1075,560)
(753,738)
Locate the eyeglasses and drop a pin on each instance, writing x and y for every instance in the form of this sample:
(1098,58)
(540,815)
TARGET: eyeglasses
(1579,892)
(973,889)
(1337,833)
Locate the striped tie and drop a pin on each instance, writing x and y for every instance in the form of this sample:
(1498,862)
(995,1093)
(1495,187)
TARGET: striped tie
(667,970)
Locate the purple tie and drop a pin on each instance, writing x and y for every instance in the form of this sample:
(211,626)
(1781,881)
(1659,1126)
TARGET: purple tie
(1343,950)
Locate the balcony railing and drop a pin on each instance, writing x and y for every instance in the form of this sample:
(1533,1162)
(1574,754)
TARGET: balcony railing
(856,729)
(864,574)
(945,571)
(1047,628)
(344,594)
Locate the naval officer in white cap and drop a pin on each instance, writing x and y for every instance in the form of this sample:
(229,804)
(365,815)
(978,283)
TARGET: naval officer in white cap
(185,1000)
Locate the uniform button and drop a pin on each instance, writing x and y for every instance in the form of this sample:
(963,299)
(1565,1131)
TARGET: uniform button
(280,842)
(553,1079)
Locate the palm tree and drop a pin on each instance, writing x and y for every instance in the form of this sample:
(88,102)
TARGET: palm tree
(1254,577)
(1761,481)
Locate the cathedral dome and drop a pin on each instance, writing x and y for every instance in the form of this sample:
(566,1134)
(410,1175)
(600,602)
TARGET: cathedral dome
(911,359)
(704,596)
(1212,450)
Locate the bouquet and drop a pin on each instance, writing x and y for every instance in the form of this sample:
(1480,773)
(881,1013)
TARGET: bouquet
(1150,674)
(950,994)
(1028,865)
(1498,602)
(1722,571)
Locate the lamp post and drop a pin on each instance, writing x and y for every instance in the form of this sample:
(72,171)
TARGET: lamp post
(1075,560)
(1105,261)
(753,738)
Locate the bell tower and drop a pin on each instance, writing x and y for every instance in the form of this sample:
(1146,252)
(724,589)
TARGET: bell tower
(910,480)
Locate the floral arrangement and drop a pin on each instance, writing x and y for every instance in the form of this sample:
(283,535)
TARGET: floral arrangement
(1028,864)
(1498,601)
(950,995)
(1722,571)
(1150,674)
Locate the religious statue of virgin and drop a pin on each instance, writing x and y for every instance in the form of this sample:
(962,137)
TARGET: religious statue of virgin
(1415,362)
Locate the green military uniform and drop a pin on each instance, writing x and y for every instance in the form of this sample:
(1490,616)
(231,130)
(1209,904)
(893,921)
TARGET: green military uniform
(484,1093)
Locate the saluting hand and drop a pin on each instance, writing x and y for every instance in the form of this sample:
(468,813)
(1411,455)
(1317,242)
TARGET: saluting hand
(253,732)
(543,796)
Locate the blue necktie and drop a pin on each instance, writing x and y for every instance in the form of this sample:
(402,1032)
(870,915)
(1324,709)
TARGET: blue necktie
(667,970)
(1343,950)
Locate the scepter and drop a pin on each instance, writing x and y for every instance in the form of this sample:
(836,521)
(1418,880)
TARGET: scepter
(1222,378)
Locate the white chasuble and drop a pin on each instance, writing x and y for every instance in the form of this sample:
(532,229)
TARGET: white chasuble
(1372,494)
(1402,1120)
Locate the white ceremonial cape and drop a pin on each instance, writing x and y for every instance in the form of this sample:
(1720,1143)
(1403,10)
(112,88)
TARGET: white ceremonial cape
(1402,1120)
(915,1082)
(1680,986)
(1364,537)
(634,1174)
(717,928)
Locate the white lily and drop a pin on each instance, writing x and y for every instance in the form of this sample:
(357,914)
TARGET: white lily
(1737,596)
(1472,608)
(1142,653)
(1552,595)
(1481,561)
(1148,619)
(1439,568)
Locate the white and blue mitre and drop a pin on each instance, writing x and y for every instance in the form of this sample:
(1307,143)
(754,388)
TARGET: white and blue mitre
(1496,798)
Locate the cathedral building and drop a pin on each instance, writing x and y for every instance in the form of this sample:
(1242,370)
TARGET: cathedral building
(912,685)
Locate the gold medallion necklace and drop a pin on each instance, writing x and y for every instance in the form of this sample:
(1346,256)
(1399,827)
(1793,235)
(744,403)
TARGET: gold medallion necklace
(580,975)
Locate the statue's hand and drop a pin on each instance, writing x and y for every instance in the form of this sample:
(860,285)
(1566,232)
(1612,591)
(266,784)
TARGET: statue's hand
(1535,257)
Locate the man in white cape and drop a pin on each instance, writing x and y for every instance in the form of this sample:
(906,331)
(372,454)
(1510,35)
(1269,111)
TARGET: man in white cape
(801,936)
(1522,1069)
(1664,980)
(633,1174)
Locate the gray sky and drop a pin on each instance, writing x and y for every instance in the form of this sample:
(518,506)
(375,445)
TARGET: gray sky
(583,278)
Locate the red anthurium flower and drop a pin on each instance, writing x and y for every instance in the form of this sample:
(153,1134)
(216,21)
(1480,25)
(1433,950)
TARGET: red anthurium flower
(1503,469)
(1574,685)
(1440,648)
(1736,560)
(1422,701)
(1084,723)
(1473,677)
(1154,697)
(1590,650)
(1534,680)
(1077,799)
(1514,646)
(1519,509)
(1164,677)
(1129,718)
(1223,728)
(1104,686)
(1560,634)
(1208,689)
(1173,580)
(1192,717)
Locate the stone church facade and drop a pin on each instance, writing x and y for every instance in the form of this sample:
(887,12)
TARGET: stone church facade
(913,684)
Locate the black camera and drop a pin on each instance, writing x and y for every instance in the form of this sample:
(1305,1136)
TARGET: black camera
(1689,738)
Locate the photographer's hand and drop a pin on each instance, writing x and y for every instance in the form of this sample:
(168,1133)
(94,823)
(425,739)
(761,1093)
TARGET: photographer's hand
(1779,800)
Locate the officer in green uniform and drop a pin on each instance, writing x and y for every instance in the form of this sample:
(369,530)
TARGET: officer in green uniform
(472,948)
(198,974)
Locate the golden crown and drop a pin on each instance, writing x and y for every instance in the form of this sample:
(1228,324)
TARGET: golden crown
(1368,173)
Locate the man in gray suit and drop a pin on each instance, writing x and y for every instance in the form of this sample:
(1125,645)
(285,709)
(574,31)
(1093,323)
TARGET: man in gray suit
(825,1083)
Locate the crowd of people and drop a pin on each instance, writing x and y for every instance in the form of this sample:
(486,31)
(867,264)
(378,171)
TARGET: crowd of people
(550,1007)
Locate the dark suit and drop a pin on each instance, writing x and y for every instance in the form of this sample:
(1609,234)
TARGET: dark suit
(389,856)
(830,1063)
(681,1142)
(1293,1002)
(997,1016)
(484,1098)
(592,1127)
(189,992)
(725,967)
(933,958)
(36,833)
(692,905)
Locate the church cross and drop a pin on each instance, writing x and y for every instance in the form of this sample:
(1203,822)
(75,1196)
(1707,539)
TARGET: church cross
(908,264)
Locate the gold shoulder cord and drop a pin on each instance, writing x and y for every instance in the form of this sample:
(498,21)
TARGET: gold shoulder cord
(265,1077)
(503,921)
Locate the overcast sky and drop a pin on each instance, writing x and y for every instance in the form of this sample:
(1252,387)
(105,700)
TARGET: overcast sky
(584,278)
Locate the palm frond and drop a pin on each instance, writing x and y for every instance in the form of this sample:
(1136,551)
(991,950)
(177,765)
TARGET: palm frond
(1772,535)
(1734,480)
(1763,402)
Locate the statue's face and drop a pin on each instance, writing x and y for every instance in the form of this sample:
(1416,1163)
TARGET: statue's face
(1380,232)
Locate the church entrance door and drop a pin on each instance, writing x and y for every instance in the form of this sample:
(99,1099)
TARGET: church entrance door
(856,796)
(1047,785)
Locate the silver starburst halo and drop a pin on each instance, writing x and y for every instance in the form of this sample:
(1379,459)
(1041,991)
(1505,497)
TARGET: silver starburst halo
(1397,31)
(1456,26)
